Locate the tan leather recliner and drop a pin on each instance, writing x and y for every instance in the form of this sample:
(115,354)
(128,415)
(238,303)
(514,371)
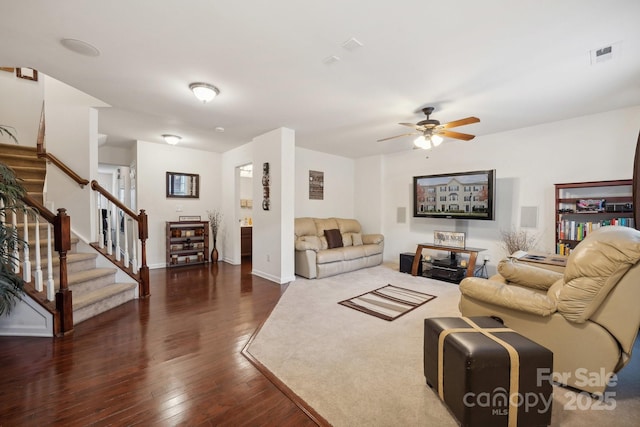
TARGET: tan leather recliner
(588,316)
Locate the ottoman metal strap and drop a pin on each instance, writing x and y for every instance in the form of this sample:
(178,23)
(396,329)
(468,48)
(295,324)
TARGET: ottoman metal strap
(514,377)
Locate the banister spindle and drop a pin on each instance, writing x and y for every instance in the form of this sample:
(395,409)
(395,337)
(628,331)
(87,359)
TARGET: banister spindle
(26,265)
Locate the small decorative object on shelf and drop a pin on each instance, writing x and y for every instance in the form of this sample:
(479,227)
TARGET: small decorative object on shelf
(215,221)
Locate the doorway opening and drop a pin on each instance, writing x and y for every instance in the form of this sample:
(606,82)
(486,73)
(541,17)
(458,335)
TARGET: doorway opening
(245,209)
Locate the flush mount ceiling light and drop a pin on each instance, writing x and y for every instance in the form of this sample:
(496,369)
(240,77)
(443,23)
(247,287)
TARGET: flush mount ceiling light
(171,139)
(204,91)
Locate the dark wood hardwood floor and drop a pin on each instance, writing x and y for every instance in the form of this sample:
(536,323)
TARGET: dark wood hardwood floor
(172,359)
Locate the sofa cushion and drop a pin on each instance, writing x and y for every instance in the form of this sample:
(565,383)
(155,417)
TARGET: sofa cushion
(372,249)
(334,238)
(330,255)
(356,239)
(305,227)
(594,267)
(346,239)
(353,252)
(325,224)
(348,225)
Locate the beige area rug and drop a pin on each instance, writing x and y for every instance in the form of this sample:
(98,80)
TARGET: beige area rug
(357,370)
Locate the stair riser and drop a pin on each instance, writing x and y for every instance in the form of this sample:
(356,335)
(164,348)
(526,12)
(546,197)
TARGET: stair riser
(43,249)
(72,267)
(16,160)
(82,288)
(29,173)
(102,306)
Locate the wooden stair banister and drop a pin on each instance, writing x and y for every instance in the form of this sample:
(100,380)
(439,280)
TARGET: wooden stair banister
(143,235)
(63,321)
(64,168)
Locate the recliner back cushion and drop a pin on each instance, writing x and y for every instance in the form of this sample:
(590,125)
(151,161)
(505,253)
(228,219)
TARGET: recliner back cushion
(348,225)
(594,267)
(305,227)
(325,224)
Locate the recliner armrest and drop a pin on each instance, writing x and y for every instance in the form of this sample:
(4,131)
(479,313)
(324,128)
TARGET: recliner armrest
(372,239)
(512,297)
(527,275)
(308,243)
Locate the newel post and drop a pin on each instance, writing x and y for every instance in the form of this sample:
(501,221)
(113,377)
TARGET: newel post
(143,235)
(62,244)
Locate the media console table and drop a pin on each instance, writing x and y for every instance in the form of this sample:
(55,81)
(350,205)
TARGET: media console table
(473,255)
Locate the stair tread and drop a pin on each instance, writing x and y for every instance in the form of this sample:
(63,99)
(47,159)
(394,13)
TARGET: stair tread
(83,276)
(71,257)
(100,294)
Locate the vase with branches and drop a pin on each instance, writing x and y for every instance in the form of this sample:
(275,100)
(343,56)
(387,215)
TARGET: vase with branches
(517,240)
(215,222)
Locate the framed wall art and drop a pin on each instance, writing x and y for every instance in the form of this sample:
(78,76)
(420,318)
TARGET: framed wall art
(316,185)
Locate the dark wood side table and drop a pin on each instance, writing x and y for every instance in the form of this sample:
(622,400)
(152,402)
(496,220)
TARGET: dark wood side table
(552,262)
(473,255)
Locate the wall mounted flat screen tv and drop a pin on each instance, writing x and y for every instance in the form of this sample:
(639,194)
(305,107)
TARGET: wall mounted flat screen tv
(460,195)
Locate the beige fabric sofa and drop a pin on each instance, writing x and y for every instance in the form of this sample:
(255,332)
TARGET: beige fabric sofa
(588,316)
(315,259)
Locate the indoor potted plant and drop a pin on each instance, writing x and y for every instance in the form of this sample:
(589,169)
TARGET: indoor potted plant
(215,221)
(11,192)
(5,130)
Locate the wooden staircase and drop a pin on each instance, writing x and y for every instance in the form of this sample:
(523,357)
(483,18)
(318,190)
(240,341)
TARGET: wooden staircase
(94,289)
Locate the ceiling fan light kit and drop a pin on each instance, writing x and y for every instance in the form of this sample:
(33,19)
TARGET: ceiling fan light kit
(205,92)
(431,132)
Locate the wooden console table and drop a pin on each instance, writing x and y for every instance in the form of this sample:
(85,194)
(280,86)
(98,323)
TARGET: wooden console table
(473,255)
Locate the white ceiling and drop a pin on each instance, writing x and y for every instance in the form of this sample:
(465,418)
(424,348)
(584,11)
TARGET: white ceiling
(513,64)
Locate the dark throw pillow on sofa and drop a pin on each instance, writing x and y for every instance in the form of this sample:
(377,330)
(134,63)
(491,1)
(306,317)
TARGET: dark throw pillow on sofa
(334,238)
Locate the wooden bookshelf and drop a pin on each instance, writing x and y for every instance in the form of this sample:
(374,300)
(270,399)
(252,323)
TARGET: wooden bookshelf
(187,243)
(611,203)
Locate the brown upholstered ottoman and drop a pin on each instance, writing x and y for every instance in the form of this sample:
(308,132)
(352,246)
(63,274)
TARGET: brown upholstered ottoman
(487,374)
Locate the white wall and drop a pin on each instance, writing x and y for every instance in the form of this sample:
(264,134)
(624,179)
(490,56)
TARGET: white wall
(273,236)
(20,107)
(121,156)
(71,136)
(338,185)
(528,163)
(369,198)
(152,162)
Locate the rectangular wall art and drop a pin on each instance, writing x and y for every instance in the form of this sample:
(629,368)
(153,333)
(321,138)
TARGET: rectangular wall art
(316,185)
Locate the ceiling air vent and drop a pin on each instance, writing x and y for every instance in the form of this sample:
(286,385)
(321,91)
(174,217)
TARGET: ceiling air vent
(604,53)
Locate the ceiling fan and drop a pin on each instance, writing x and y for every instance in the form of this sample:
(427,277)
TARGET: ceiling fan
(431,131)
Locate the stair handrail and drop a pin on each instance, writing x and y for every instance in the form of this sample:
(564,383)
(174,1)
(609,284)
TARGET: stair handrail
(42,153)
(62,244)
(143,234)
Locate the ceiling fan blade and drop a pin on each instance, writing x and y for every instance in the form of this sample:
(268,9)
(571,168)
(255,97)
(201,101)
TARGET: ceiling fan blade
(456,135)
(398,136)
(413,125)
(461,122)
